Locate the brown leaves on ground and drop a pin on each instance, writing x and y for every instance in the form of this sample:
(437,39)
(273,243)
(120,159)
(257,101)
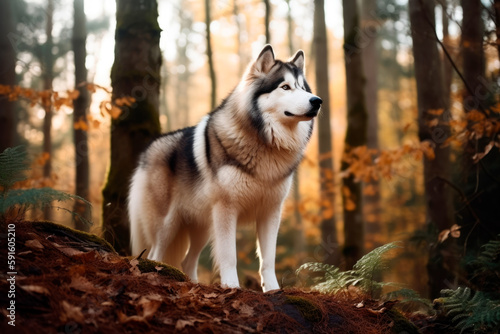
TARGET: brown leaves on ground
(65,281)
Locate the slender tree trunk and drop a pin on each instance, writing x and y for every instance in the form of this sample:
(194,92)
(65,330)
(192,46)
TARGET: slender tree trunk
(356,134)
(80,114)
(135,73)
(267,18)
(237,22)
(48,77)
(431,96)
(297,217)
(369,29)
(213,78)
(447,68)
(329,238)
(496,6)
(289,20)
(472,52)
(480,222)
(7,75)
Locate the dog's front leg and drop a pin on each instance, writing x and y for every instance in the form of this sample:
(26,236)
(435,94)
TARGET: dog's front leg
(224,244)
(267,234)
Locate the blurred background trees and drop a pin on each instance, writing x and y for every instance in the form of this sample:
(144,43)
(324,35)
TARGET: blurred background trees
(406,146)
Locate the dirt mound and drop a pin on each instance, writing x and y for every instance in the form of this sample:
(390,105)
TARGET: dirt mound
(72,282)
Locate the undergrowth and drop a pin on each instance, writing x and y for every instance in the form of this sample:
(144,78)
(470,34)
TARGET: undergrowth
(477,310)
(364,278)
(15,202)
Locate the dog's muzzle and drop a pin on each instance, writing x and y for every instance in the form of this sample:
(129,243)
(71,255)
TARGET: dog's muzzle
(315,105)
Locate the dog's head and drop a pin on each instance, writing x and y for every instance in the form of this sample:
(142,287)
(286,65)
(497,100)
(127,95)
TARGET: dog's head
(280,91)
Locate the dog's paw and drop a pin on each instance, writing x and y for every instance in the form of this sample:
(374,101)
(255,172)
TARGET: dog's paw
(270,287)
(230,285)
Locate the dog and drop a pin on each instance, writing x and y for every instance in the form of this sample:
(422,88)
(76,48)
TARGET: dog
(196,184)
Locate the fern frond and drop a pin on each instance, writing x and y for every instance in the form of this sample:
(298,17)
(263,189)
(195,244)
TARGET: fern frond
(479,313)
(13,163)
(38,198)
(374,262)
(361,276)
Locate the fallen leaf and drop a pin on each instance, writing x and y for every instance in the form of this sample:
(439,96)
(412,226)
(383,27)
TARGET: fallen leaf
(36,289)
(455,231)
(246,310)
(443,235)
(180,324)
(71,312)
(24,253)
(80,283)
(210,295)
(69,251)
(34,244)
(149,306)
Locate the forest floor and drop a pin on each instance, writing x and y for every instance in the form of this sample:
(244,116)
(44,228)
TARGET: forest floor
(72,282)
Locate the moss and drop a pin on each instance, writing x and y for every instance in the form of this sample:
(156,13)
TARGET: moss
(54,228)
(149,266)
(401,324)
(309,311)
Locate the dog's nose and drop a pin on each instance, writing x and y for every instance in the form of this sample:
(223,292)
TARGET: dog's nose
(316,102)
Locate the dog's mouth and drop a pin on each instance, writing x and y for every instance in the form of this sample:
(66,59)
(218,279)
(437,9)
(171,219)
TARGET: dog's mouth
(310,114)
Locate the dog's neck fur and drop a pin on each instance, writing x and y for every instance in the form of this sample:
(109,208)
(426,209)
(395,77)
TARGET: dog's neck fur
(283,146)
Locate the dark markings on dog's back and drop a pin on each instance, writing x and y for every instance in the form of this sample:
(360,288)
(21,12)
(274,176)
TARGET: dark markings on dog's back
(182,156)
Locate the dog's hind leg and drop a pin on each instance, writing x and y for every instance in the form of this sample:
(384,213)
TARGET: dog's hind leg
(198,238)
(267,234)
(224,244)
(170,242)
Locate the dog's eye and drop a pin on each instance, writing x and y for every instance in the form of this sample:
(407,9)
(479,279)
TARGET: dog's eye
(285,87)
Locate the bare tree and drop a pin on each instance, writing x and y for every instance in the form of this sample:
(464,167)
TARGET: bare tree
(7,74)
(267,18)
(211,68)
(80,114)
(355,135)
(135,73)
(369,30)
(431,97)
(48,77)
(329,236)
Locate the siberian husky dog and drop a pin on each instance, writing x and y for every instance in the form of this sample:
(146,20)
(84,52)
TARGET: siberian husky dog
(195,185)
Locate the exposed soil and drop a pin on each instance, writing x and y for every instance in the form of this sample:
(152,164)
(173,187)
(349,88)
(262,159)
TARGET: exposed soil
(71,282)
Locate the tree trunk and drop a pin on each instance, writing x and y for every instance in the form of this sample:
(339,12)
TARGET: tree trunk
(329,238)
(267,18)
(80,114)
(299,240)
(290,33)
(480,221)
(48,77)
(369,29)
(355,135)
(496,6)
(213,78)
(472,52)
(135,73)
(7,75)
(431,96)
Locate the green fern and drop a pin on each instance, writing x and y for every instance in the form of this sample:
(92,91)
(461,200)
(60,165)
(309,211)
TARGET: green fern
(13,164)
(471,312)
(363,275)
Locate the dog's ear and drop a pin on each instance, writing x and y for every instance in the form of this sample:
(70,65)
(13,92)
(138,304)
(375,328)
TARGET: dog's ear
(265,60)
(298,59)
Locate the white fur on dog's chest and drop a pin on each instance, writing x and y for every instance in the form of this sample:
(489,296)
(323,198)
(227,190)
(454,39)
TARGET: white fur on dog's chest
(249,193)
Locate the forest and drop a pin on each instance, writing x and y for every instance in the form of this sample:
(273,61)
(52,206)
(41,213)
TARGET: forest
(393,213)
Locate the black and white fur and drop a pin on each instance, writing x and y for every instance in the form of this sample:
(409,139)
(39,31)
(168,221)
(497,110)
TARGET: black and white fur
(194,185)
